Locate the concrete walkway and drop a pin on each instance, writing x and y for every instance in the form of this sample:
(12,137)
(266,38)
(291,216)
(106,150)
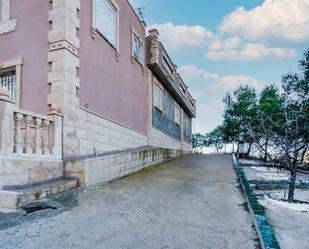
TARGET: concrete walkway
(191,202)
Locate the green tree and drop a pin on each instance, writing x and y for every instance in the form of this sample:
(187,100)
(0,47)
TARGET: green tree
(215,138)
(198,141)
(284,121)
(269,113)
(295,126)
(240,109)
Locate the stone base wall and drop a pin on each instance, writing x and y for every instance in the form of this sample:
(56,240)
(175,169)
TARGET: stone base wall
(107,168)
(95,131)
(16,172)
(160,139)
(105,135)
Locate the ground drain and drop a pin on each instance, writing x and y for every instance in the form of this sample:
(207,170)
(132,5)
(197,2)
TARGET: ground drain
(38,207)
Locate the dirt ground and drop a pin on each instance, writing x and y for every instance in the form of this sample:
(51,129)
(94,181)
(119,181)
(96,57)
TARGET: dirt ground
(190,202)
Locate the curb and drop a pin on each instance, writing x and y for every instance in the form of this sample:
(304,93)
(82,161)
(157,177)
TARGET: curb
(265,233)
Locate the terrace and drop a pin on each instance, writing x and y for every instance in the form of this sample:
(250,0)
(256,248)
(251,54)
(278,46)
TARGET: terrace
(165,70)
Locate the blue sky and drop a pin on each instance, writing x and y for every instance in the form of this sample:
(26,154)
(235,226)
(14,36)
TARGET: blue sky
(218,45)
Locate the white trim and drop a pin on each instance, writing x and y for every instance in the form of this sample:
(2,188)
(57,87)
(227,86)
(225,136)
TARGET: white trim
(17,63)
(161,96)
(134,34)
(177,107)
(169,65)
(96,29)
(6,25)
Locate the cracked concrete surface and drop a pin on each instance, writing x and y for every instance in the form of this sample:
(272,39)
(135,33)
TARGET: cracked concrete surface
(190,202)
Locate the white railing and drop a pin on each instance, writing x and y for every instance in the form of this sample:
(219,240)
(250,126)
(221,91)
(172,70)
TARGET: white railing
(29,134)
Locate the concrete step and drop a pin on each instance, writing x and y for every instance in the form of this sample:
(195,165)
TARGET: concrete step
(16,198)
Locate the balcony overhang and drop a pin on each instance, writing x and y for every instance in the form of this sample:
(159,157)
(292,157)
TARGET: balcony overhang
(170,84)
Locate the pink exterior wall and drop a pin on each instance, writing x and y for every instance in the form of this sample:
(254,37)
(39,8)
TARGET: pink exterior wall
(30,41)
(114,89)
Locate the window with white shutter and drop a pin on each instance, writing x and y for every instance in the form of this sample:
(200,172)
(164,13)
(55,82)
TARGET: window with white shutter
(137,48)
(177,114)
(6,24)
(157,96)
(106,20)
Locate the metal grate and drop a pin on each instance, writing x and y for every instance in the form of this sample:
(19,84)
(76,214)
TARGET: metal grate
(8,82)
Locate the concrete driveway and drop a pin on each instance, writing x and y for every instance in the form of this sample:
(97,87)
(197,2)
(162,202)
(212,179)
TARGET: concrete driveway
(190,202)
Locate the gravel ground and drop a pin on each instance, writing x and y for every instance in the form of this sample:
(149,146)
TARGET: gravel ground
(191,202)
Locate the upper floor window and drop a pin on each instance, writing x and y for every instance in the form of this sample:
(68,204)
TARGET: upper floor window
(137,48)
(167,66)
(106,20)
(192,102)
(6,24)
(8,82)
(157,96)
(182,90)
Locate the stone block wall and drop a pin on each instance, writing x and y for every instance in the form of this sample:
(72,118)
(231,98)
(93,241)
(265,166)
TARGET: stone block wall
(110,167)
(16,172)
(105,135)
(95,131)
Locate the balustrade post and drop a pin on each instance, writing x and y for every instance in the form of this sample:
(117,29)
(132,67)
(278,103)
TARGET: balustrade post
(6,123)
(28,120)
(37,136)
(56,134)
(18,117)
(45,126)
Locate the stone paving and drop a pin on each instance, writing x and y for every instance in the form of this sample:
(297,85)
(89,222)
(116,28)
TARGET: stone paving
(190,202)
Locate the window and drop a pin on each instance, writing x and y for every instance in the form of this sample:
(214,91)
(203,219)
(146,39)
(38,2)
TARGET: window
(177,114)
(192,102)
(157,96)
(187,128)
(106,20)
(6,24)
(10,78)
(182,90)
(8,82)
(137,48)
(167,66)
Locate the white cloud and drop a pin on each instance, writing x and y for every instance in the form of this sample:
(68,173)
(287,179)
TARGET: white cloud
(274,19)
(232,82)
(214,82)
(229,43)
(178,37)
(191,38)
(232,49)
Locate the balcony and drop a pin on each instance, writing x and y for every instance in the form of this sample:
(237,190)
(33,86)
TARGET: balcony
(162,66)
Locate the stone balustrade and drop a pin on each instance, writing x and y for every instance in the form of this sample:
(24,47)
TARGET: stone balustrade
(31,133)
(24,133)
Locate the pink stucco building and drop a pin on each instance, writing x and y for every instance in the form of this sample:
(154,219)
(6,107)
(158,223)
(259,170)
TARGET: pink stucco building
(85,93)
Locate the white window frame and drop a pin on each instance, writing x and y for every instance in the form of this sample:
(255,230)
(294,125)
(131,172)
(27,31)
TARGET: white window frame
(177,114)
(6,25)
(182,89)
(97,26)
(159,105)
(167,66)
(14,64)
(136,36)
(192,102)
